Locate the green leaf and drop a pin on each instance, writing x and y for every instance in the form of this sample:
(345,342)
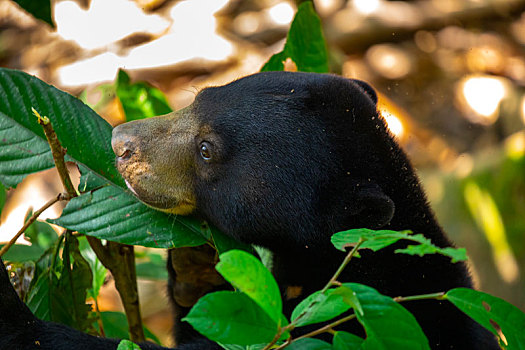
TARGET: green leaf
(127,345)
(319,307)
(247,274)
(40,9)
(266,256)
(152,266)
(40,233)
(3,197)
(140,100)
(455,254)
(38,297)
(22,252)
(346,341)
(110,213)
(388,325)
(492,313)
(97,269)
(224,243)
(231,318)
(305,44)
(379,239)
(309,344)
(70,291)
(116,326)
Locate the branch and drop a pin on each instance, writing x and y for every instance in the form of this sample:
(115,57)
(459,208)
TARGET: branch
(36,214)
(58,153)
(117,258)
(427,16)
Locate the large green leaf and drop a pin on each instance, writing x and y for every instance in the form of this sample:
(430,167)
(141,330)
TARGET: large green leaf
(305,44)
(110,213)
(492,312)
(140,100)
(247,274)
(87,138)
(388,325)
(231,318)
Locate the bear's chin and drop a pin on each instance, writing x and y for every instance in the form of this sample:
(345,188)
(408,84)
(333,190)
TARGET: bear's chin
(170,206)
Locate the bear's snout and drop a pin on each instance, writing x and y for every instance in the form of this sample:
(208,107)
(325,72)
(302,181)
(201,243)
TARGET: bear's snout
(122,143)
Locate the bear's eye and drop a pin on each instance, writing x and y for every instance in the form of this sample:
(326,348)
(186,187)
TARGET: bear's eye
(205,150)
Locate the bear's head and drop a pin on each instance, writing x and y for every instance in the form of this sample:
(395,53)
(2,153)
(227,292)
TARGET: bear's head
(274,159)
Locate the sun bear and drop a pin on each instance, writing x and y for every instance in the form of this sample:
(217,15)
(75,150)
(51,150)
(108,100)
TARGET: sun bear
(281,160)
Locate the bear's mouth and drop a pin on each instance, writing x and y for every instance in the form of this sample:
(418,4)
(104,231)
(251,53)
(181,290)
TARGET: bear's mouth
(162,203)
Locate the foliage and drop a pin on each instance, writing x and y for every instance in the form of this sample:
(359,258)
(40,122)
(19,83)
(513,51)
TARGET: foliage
(59,288)
(231,317)
(305,44)
(140,100)
(127,345)
(376,240)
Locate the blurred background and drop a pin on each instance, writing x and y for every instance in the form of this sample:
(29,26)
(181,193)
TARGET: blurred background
(450,75)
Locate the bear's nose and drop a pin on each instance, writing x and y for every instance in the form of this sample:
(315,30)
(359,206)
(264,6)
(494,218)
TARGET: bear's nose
(121,142)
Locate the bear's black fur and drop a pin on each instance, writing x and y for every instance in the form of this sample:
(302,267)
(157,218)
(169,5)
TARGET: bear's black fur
(294,158)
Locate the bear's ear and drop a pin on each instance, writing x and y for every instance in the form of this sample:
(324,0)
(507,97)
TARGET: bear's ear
(372,206)
(367,89)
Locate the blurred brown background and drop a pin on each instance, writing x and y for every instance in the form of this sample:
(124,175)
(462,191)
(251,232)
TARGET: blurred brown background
(450,73)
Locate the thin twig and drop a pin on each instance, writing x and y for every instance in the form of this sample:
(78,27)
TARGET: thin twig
(438,296)
(323,329)
(58,153)
(333,280)
(36,214)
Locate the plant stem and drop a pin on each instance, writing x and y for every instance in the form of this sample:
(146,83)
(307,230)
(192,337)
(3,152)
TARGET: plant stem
(58,153)
(36,214)
(116,257)
(333,280)
(438,296)
(323,329)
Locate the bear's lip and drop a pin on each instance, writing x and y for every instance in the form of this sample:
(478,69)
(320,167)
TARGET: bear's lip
(143,197)
(131,188)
